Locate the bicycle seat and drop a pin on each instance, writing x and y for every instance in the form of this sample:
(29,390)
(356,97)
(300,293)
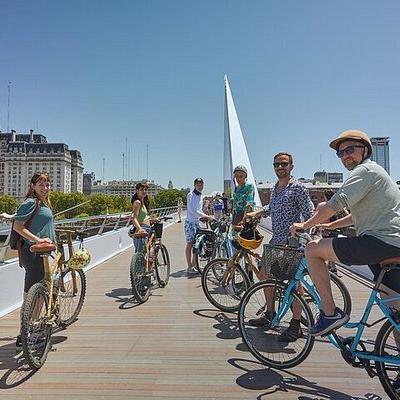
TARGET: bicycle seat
(390,261)
(42,248)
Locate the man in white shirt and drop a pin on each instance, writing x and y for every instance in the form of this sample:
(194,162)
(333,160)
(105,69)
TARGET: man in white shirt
(193,215)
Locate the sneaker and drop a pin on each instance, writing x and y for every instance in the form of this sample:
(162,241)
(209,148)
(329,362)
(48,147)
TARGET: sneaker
(264,320)
(292,333)
(396,384)
(326,324)
(18,342)
(191,271)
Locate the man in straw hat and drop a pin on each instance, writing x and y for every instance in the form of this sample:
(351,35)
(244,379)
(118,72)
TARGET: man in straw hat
(374,203)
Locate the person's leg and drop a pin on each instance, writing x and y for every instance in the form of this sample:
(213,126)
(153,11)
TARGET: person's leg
(189,255)
(317,252)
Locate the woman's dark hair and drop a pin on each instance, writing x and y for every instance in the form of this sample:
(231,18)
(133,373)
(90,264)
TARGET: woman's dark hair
(37,177)
(135,197)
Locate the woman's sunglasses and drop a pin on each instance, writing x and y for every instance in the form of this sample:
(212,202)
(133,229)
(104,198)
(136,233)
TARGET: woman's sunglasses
(348,150)
(283,164)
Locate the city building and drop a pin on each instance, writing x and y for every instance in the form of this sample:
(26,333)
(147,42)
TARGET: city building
(76,171)
(123,188)
(88,180)
(22,155)
(327,177)
(316,191)
(380,152)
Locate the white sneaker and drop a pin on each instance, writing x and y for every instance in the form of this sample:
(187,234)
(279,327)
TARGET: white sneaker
(191,271)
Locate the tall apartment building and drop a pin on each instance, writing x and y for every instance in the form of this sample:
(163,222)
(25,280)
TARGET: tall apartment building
(22,155)
(380,152)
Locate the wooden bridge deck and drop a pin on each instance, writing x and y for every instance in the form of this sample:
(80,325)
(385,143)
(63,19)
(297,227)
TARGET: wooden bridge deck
(175,346)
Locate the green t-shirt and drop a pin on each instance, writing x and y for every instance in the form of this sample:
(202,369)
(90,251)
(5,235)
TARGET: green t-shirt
(42,224)
(373,200)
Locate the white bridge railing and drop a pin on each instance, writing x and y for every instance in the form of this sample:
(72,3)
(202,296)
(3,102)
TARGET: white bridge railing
(107,236)
(94,225)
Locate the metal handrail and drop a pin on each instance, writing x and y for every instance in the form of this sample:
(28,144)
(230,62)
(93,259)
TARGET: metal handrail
(96,224)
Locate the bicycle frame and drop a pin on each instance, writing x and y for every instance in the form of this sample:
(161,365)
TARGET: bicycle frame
(234,260)
(374,299)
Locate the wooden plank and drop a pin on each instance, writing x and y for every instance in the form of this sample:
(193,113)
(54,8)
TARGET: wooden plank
(176,346)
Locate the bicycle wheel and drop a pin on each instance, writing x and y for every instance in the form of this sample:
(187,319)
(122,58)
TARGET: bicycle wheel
(388,372)
(35,329)
(162,265)
(71,295)
(264,342)
(340,294)
(140,280)
(223,293)
(202,256)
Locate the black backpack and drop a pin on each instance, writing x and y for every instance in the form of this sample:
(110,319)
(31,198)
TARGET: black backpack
(15,237)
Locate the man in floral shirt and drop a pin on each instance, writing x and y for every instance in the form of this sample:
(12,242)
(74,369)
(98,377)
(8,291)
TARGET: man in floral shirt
(290,202)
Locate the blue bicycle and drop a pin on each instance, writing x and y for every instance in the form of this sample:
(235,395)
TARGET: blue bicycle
(380,358)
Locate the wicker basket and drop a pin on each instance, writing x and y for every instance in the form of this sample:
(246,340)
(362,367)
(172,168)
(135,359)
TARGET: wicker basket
(281,261)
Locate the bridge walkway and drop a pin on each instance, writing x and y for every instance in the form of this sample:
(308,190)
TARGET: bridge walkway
(175,346)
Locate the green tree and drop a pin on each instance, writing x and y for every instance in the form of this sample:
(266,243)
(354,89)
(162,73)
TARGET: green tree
(99,204)
(8,204)
(63,201)
(168,198)
(120,204)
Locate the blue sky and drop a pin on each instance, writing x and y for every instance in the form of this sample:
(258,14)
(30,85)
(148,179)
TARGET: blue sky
(93,73)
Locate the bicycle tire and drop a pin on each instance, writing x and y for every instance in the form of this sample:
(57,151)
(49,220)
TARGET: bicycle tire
(140,280)
(387,373)
(200,259)
(71,303)
(263,342)
(218,293)
(35,329)
(163,269)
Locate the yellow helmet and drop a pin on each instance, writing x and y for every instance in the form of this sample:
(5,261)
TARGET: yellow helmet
(250,239)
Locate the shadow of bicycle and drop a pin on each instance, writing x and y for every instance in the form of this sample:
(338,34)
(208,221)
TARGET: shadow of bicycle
(258,377)
(226,323)
(16,369)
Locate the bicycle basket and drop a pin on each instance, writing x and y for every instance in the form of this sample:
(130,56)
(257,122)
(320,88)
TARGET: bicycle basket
(158,228)
(281,261)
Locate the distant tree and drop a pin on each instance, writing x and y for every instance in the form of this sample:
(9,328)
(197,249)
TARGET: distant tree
(8,204)
(100,204)
(63,201)
(168,198)
(170,185)
(120,204)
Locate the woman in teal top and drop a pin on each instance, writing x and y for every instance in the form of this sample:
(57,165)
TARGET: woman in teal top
(41,228)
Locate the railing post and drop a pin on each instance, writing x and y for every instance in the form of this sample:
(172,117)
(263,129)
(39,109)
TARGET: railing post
(102,226)
(116,224)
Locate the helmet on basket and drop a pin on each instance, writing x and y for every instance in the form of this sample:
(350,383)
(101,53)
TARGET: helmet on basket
(250,238)
(80,259)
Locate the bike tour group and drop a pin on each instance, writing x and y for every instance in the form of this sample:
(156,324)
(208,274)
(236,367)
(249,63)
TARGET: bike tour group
(284,297)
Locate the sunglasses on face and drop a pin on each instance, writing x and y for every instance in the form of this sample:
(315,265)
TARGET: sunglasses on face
(348,150)
(283,164)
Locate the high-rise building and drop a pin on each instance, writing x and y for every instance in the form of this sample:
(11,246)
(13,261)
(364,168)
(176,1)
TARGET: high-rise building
(23,155)
(380,152)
